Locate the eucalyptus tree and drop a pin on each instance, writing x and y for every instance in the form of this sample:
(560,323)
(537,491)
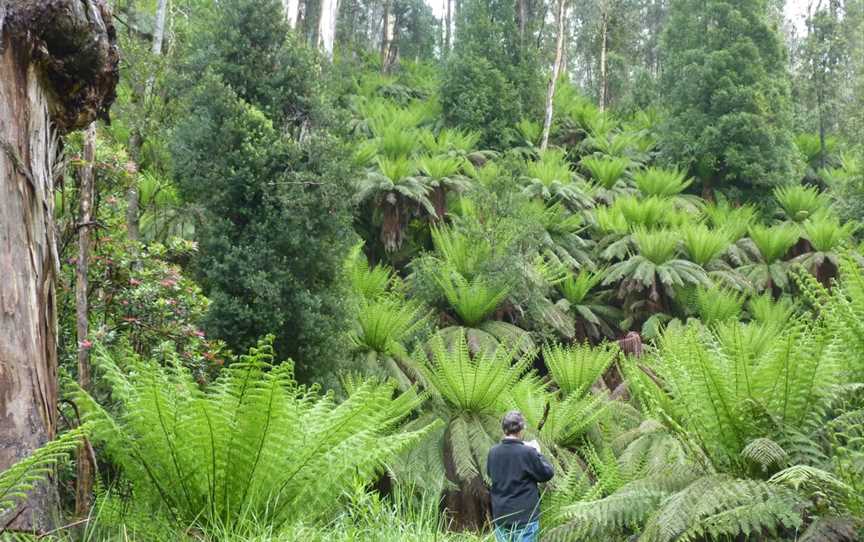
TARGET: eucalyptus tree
(58,73)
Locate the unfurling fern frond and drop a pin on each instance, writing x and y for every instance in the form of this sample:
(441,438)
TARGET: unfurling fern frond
(765,454)
(19,479)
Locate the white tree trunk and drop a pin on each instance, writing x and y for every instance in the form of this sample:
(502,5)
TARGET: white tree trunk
(604,41)
(292,12)
(556,70)
(159,28)
(36,97)
(327,26)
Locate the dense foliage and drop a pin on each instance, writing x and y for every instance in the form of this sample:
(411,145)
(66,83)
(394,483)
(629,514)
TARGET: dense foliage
(671,290)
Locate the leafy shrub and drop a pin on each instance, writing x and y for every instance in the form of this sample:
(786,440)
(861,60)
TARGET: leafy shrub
(490,107)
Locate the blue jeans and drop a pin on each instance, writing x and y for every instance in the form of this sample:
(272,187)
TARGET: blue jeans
(518,533)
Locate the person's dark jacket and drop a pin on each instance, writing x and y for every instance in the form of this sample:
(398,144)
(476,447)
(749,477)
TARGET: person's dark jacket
(515,470)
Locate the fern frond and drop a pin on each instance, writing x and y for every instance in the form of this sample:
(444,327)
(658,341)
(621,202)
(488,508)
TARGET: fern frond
(19,479)
(577,367)
(765,453)
(718,505)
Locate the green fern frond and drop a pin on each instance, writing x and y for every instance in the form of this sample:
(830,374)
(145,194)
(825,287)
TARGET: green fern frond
(477,383)
(765,454)
(474,301)
(720,506)
(577,367)
(253,443)
(384,324)
(654,181)
(800,202)
(366,281)
(22,477)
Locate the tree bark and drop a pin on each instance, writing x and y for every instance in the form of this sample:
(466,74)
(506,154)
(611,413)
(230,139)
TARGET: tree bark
(133,217)
(159,28)
(292,12)
(448,22)
(388,27)
(553,78)
(327,27)
(58,72)
(84,486)
(522,9)
(604,43)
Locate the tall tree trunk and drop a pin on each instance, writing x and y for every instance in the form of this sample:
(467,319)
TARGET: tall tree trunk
(58,69)
(292,12)
(86,189)
(159,27)
(604,42)
(448,22)
(327,26)
(553,78)
(133,218)
(387,50)
(522,12)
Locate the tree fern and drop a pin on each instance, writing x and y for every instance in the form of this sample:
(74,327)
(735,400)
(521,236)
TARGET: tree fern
(466,254)
(800,202)
(717,304)
(577,367)
(253,444)
(654,181)
(367,282)
(473,301)
(383,325)
(471,383)
(704,245)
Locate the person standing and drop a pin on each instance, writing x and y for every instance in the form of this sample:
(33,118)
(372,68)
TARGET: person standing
(516,467)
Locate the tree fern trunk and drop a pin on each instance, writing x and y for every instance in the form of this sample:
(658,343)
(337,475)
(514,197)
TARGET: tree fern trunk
(58,70)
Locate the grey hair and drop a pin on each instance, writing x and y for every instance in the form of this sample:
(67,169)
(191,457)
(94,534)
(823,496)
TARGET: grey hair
(513,422)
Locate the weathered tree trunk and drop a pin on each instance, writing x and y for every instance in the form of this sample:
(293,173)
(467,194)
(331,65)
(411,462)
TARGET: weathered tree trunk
(84,486)
(133,215)
(327,26)
(159,27)
(58,71)
(604,69)
(387,29)
(553,78)
(522,11)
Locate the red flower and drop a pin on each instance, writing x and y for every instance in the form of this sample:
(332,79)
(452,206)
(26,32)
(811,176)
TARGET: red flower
(134,282)
(85,344)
